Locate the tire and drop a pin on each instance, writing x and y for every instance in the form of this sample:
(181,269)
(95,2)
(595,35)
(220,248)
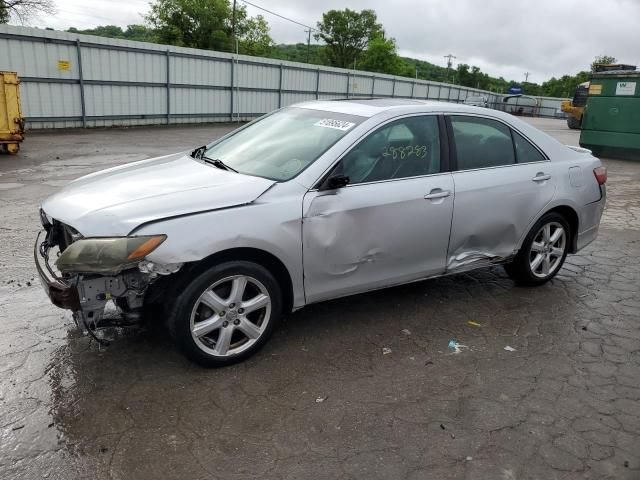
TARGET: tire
(210,321)
(539,259)
(573,123)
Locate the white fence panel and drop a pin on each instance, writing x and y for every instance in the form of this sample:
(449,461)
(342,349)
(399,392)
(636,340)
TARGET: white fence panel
(71,80)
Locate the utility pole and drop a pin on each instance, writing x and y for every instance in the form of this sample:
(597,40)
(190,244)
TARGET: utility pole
(233,26)
(526,76)
(416,72)
(449,58)
(308,32)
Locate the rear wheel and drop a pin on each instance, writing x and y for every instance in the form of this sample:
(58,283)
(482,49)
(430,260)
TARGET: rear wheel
(543,251)
(227,313)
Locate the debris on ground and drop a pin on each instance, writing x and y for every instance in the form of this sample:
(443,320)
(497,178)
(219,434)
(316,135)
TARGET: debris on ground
(509,349)
(321,399)
(406,331)
(469,459)
(471,323)
(386,350)
(17,428)
(455,346)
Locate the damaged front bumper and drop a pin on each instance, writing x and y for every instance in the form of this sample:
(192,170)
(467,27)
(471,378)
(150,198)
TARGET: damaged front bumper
(87,295)
(59,291)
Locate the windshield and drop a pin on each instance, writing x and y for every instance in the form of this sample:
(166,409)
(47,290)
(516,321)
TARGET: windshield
(281,145)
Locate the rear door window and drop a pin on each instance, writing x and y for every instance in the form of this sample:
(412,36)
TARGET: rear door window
(481,143)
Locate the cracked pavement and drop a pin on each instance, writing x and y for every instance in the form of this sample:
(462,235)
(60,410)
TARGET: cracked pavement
(323,400)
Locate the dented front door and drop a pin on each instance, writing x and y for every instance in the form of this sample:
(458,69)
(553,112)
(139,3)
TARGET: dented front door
(368,236)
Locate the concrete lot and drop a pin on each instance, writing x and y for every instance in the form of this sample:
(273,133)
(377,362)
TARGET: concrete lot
(321,400)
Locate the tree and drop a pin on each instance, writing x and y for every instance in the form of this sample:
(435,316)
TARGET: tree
(381,56)
(23,10)
(193,23)
(347,34)
(602,59)
(208,24)
(254,37)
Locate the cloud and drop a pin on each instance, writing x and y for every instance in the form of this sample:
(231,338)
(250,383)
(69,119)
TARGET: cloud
(503,37)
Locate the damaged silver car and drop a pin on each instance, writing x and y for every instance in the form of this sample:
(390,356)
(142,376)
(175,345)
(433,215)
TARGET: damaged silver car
(312,202)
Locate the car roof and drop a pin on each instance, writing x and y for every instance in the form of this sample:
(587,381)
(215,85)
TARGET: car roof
(369,107)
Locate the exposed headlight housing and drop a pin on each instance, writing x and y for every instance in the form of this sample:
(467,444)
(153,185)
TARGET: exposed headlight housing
(107,255)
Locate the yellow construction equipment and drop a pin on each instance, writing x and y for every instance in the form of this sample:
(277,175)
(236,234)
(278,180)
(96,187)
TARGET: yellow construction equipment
(11,121)
(575,108)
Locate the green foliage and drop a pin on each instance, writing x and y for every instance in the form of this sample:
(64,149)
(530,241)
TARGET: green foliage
(133,32)
(347,34)
(425,70)
(380,56)
(298,53)
(209,24)
(602,59)
(254,37)
(564,86)
(194,23)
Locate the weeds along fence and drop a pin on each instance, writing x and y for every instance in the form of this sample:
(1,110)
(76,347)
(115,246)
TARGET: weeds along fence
(70,80)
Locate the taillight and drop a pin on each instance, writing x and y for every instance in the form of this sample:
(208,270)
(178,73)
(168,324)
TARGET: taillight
(601,174)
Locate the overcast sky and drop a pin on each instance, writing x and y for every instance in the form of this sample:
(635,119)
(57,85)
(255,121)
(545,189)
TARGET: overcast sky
(503,37)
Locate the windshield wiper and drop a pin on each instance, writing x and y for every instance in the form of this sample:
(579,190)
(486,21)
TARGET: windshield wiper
(216,162)
(198,154)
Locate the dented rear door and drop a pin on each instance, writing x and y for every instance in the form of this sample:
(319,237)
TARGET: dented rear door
(372,235)
(500,187)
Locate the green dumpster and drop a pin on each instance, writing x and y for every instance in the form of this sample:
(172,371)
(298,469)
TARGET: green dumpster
(611,121)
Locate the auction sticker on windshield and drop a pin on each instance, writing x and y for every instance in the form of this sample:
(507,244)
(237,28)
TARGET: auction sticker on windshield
(337,124)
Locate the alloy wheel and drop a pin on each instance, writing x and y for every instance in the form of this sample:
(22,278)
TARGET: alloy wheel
(230,315)
(547,250)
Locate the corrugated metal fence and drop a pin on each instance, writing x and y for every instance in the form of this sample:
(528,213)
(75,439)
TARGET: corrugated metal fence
(71,80)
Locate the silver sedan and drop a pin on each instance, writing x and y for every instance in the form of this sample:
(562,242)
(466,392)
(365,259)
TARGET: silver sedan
(312,202)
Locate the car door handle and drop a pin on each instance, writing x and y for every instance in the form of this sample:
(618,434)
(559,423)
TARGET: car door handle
(437,193)
(541,177)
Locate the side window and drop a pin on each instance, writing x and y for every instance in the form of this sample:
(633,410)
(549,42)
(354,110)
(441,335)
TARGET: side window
(481,142)
(405,148)
(525,151)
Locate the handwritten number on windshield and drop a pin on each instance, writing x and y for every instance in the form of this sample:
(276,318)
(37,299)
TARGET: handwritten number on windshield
(419,151)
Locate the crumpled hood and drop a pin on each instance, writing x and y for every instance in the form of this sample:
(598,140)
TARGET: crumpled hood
(117,200)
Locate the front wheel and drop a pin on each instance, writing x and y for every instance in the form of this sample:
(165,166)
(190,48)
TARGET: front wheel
(543,251)
(227,313)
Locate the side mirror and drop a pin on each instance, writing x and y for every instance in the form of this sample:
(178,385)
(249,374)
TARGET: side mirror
(334,182)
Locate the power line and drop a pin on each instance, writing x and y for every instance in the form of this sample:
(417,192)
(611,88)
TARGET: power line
(278,15)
